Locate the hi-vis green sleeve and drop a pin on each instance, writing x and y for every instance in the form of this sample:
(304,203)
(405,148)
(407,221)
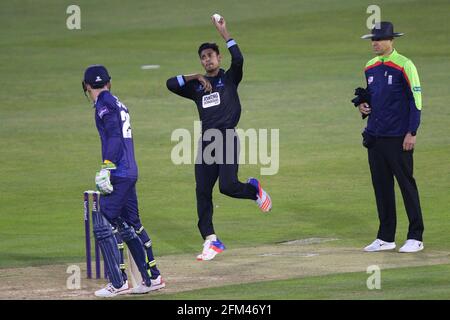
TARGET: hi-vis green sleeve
(414,83)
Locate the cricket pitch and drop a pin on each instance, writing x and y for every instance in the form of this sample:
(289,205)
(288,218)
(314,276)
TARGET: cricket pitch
(293,259)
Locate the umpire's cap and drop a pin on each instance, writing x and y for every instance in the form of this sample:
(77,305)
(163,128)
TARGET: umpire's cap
(96,76)
(382,31)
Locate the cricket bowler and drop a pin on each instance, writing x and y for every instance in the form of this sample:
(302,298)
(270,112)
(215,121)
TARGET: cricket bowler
(219,108)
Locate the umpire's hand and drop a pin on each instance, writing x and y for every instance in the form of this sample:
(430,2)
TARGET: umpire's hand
(409,142)
(364,108)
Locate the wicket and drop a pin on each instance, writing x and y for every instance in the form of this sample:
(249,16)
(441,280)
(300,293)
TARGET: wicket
(87,230)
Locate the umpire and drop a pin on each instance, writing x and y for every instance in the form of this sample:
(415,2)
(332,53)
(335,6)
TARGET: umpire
(392,102)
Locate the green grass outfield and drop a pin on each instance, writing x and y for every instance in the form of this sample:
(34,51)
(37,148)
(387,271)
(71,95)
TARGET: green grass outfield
(402,283)
(303,60)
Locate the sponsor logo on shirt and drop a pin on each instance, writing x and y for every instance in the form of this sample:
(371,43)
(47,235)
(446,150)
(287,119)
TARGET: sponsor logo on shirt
(370,80)
(390,79)
(102,112)
(220,83)
(211,100)
(417,89)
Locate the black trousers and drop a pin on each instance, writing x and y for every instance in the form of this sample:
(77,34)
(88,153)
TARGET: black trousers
(206,175)
(387,159)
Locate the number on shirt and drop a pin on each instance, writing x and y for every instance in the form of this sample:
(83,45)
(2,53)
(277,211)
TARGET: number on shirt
(126,127)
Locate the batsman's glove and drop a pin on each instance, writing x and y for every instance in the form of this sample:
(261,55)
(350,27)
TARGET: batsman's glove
(102,178)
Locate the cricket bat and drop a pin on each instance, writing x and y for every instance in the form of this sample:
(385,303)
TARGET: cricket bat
(134,276)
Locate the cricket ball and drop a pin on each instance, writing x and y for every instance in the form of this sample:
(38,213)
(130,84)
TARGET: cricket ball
(217,17)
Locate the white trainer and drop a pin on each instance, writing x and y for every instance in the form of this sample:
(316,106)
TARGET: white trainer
(379,245)
(207,252)
(109,291)
(211,249)
(157,284)
(411,245)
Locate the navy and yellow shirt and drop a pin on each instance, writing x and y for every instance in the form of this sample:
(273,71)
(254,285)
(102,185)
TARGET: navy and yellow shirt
(395,96)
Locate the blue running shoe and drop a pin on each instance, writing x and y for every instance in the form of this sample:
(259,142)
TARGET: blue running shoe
(262,198)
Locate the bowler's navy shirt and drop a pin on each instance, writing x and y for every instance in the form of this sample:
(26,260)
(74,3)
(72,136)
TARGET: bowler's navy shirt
(221,108)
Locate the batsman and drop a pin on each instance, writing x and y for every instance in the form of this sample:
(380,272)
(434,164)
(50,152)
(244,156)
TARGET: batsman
(217,100)
(116,181)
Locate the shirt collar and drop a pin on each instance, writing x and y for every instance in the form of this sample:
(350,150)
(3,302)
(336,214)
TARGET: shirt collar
(389,57)
(100,94)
